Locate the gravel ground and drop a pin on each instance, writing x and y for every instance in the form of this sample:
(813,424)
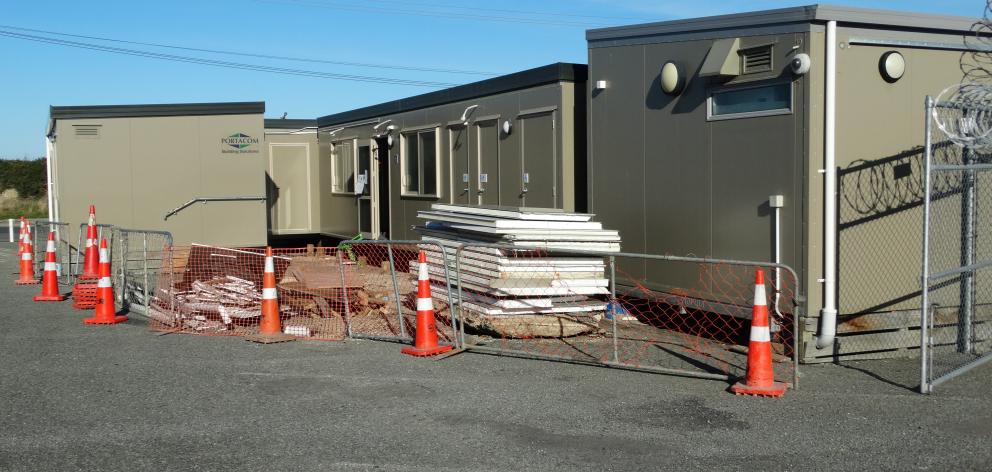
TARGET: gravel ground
(75,397)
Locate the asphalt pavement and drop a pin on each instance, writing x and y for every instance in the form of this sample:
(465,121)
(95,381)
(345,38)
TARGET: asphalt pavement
(75,397)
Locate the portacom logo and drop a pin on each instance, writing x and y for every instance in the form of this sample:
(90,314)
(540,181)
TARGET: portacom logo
(239,143)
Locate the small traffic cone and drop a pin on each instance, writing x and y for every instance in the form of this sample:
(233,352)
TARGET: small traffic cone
(27,261)
(760,380)
(21,239)
(270,328)
(106,308)
(425,342)
(50,278)
(91,264)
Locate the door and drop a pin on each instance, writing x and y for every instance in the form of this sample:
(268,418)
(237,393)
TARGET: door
(487,158)
(289,171)
(538,179)
(380,186)
(462,169)
(363,190)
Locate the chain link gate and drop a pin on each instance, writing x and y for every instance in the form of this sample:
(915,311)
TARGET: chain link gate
(137,256)
(956,311)
(675,315)
(63,248)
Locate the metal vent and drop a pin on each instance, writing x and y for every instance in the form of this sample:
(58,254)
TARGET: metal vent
(757,59)
(86,131)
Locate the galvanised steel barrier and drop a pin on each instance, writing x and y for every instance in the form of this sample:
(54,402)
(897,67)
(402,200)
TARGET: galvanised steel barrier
(378,282)
(666,314)
(136,259)
(63,248)
(79,253)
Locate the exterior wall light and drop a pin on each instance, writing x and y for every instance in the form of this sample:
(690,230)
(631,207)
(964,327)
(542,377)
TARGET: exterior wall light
(892,66)
(601,85)
(672,79)
(507,127)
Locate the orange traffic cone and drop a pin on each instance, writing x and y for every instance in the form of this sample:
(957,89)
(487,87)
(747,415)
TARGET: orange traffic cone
(106,309)
(21,239)
(91,261)
(270,328)
(425,342)
(27,261)
(760,380)
(50,278)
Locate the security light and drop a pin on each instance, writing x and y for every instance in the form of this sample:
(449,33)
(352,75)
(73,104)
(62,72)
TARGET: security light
(376,127)
(892,66)
(507,127)
(672,79)
(468,109)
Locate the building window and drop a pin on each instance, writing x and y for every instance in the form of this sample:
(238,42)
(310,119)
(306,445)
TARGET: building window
(765,100)
(343,166)
(420,169)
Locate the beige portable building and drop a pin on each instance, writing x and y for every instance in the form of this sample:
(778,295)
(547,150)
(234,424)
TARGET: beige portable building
(703,130)
(138,163)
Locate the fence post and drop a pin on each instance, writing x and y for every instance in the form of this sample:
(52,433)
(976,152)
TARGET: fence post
(458,280)
(344,293)
(613,306)
(396,290)
(125,249)
(925,278)
(145,269)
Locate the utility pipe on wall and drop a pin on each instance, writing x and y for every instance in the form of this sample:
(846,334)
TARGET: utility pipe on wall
(828,314)
(48,175)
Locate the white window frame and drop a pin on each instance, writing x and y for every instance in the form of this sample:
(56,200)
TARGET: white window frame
(751,114)
(334,165)
(404,136)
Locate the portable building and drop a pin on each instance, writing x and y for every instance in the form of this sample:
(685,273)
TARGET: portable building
(138,163)
(514,140)
(702,130)
(292,177)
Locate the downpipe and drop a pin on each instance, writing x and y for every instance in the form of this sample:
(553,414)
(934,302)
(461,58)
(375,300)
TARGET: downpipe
(828,314)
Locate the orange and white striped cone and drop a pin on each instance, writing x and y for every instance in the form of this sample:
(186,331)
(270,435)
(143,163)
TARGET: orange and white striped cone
(760,379)
(91,261)
(270,328)
(21,238)
(27,260)
(50,277)
(106,308)
(425,342)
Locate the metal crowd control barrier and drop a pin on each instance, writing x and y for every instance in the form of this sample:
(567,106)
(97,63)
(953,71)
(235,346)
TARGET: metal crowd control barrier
(63,249)
(102,231)
(379,288)
(137,257)
(691,317)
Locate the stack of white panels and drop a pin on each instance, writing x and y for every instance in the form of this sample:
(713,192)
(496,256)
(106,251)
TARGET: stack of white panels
(539,268)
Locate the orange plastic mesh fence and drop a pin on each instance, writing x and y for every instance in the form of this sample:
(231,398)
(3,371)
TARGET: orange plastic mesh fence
(668,315)
(382,290)
(217,291)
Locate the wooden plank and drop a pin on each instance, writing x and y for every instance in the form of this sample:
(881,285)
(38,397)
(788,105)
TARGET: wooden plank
(518,213)
(451,217)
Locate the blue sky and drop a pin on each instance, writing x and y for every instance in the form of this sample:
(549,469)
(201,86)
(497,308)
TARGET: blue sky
(468,35)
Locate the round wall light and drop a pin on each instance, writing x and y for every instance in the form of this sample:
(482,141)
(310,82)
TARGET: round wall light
(892,66)
(389,141)
(507,127)
(672,80)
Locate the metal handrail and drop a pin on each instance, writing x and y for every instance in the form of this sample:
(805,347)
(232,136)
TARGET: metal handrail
(212,199)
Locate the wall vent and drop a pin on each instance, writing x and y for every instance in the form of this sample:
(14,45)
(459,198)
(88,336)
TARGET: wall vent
(757,59)
(86,131)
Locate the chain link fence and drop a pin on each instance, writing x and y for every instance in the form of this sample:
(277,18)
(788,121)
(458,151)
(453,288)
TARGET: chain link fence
(136,260)
(217,291)
(957,269)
